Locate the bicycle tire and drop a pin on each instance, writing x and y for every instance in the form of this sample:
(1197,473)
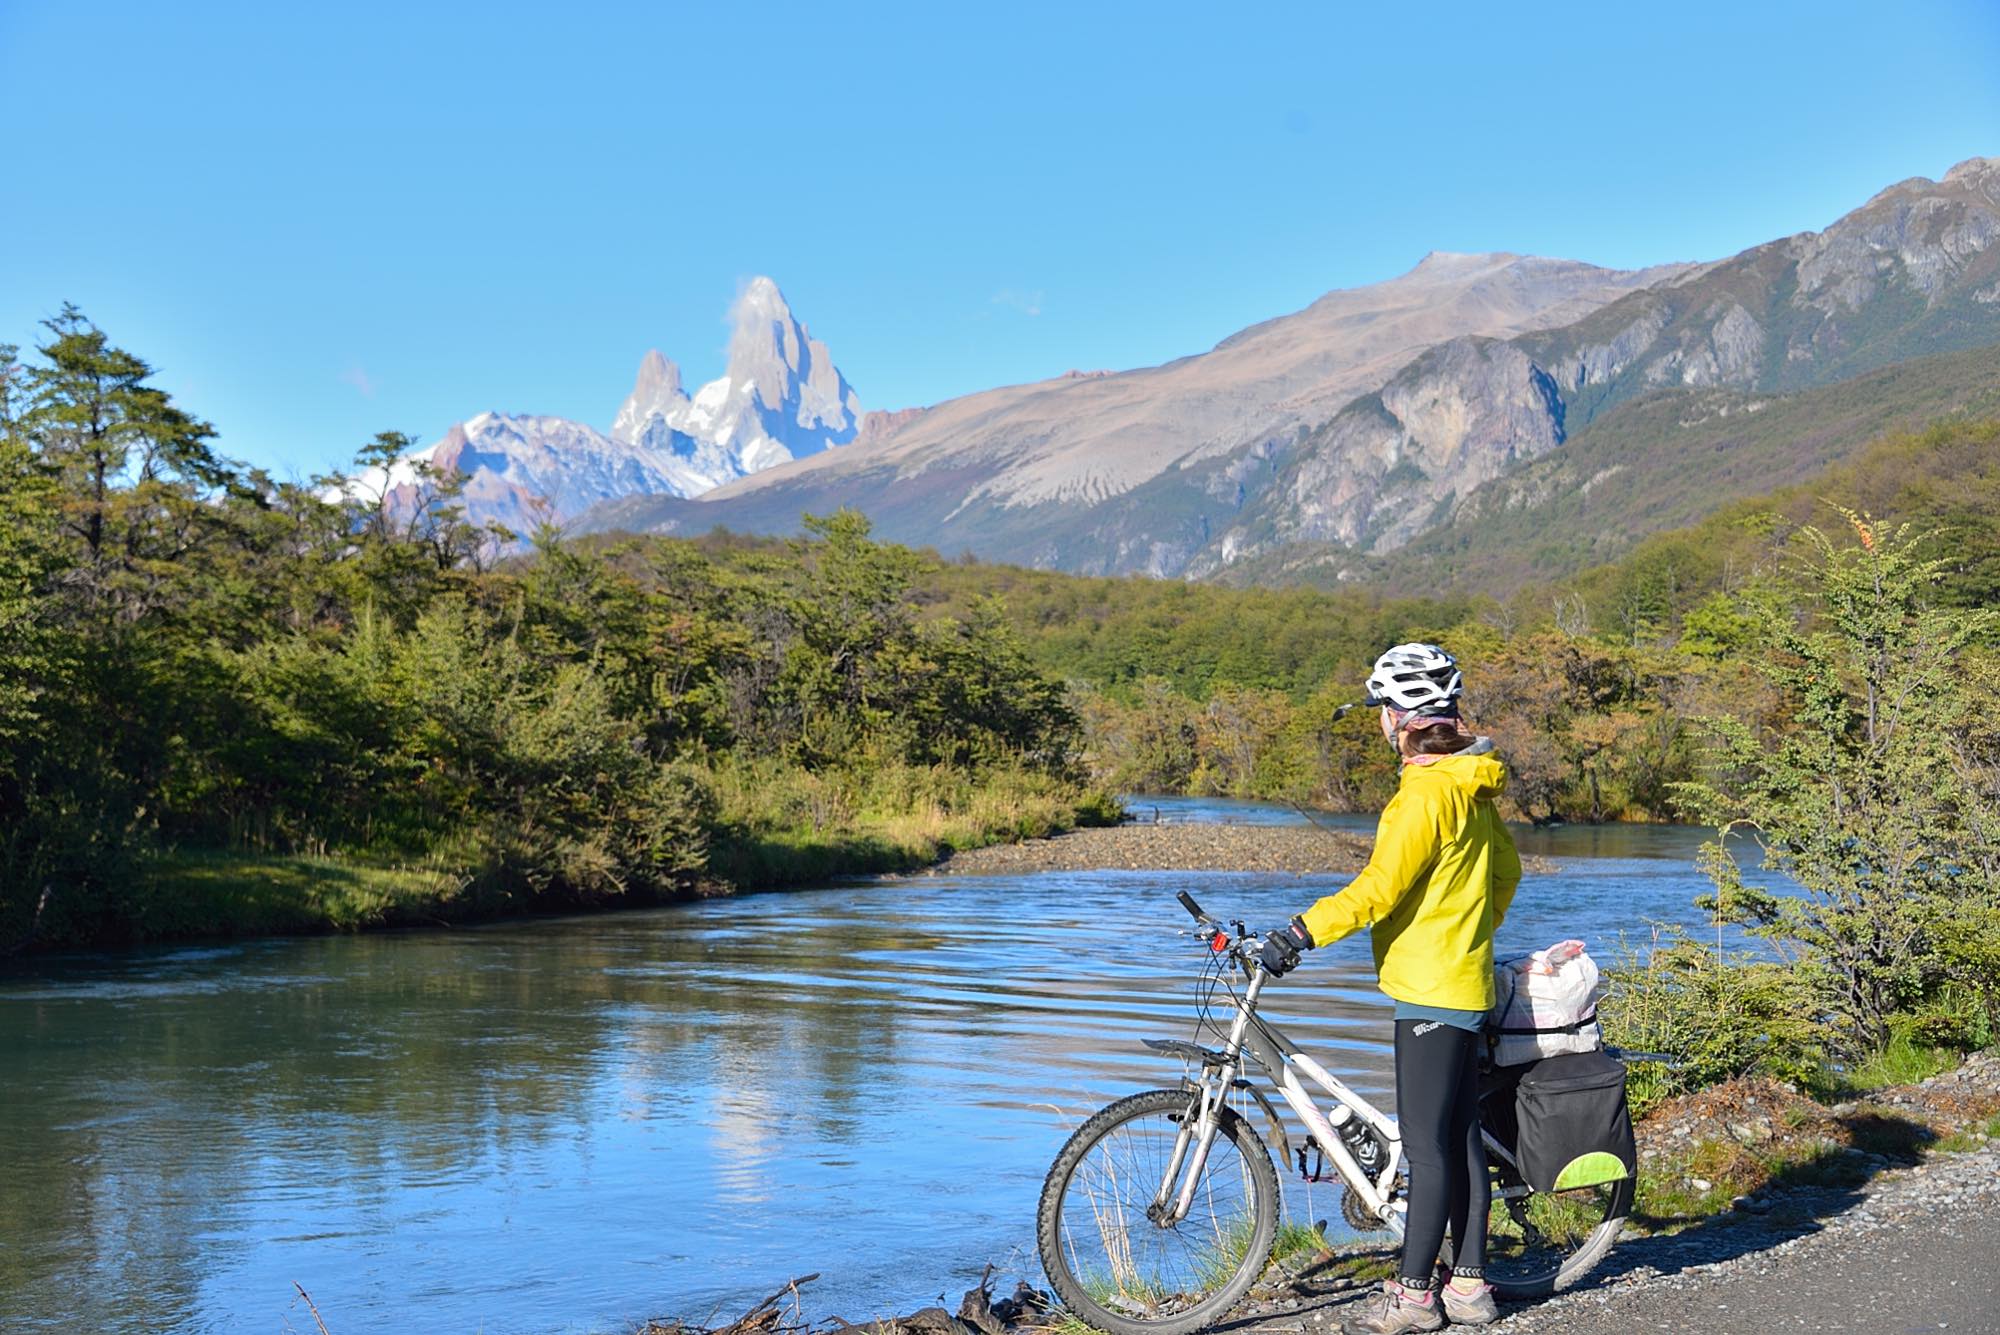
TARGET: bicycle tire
(1173,1313)
(1515,1280)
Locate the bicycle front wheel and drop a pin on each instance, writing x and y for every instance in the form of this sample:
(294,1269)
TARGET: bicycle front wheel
(1118,1269)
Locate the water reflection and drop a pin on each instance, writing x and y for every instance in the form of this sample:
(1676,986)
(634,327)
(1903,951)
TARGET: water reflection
(570,1125)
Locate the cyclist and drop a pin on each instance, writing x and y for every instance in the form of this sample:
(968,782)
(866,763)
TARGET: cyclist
(1439,881)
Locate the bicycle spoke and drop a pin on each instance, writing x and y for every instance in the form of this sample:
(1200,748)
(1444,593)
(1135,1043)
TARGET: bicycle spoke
(1529,1239)
(1126,1261)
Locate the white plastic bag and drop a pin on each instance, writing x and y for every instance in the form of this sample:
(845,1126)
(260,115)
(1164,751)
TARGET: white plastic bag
(1545,1005)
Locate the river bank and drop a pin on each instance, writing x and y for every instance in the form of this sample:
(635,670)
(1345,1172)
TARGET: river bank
(769,829)
(1184,847)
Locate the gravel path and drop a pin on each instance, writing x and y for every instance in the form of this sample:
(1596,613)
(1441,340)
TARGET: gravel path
(1913,1250)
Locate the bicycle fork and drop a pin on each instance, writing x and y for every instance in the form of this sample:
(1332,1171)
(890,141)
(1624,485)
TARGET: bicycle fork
(1175,1196)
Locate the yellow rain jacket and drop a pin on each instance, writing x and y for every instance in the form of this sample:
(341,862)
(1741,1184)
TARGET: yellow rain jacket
(1440,880)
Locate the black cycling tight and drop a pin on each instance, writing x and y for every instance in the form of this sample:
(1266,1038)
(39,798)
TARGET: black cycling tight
(1437,1107)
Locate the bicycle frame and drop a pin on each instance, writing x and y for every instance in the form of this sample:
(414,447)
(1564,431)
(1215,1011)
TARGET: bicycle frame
(1288,1068)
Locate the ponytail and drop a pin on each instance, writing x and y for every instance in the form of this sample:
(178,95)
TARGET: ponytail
(1442,738)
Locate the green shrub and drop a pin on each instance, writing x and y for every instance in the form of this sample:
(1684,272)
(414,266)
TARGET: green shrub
(1717,1014)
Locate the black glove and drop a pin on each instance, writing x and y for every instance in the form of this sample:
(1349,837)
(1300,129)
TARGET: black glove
(1282,946)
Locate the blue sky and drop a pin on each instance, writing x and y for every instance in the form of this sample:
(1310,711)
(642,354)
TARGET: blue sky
(324,222)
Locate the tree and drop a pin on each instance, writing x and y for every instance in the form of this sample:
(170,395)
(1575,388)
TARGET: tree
(133,468)
(28,559)
(1874,799)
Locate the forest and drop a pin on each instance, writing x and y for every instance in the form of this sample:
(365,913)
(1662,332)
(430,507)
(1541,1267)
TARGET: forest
(234,704)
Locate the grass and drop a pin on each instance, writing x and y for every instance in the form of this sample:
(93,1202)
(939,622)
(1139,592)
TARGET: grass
(209,893)
(1564,1217)
(1295,1239)
(1972,1138)
(1703,1181)
(1067,1323)
(1903,1062)
(774,826)
(783,826)
(1292,1239)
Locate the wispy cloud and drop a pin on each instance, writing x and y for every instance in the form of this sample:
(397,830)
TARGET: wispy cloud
(357,376)
(1028,303)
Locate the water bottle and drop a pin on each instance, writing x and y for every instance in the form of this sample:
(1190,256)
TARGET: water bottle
(1361,1141)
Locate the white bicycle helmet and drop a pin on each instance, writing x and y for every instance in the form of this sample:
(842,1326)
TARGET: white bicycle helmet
(1415,677)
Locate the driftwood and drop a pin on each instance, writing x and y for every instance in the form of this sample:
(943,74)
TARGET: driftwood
(978,1314)
(766,1317)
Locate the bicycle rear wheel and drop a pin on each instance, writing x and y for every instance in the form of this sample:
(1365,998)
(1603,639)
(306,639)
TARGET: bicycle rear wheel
(1544,1242)
(1117,1269)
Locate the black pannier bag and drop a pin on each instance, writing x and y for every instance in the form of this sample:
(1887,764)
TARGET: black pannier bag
(1572,1128)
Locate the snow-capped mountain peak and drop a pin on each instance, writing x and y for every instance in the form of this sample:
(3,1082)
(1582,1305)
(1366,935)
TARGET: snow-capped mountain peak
(780,397)
(656,392)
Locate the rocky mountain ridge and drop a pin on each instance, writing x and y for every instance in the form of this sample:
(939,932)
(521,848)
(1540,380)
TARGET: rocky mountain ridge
(1363,421)
(1914,271)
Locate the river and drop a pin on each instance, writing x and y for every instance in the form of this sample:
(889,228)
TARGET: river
(570,1125)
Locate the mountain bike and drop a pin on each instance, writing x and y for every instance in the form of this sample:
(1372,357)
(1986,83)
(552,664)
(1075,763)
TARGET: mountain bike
(1162,1210)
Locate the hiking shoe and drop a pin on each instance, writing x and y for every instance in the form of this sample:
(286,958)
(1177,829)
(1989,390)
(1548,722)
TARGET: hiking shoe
(1469,1309)
(1391,1312)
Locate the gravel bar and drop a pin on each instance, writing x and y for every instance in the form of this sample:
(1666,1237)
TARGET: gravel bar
(1266,848)
(1298,850)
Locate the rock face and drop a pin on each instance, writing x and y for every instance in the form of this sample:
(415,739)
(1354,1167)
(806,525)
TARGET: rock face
(879,425)
(780,398)
(1372,473)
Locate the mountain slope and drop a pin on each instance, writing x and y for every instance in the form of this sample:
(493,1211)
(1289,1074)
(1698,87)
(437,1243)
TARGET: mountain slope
(1661,461)
(1914,271)
(1043,466)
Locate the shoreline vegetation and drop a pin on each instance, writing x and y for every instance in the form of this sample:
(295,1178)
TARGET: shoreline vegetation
(184,894)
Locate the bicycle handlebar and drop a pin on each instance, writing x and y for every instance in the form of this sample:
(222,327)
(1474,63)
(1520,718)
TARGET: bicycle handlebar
(1236,944)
